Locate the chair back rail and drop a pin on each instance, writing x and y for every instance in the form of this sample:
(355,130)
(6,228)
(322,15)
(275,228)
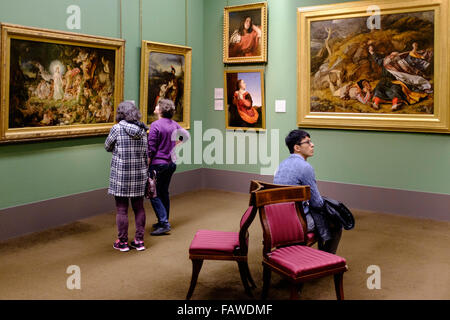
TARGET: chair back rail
(283,194)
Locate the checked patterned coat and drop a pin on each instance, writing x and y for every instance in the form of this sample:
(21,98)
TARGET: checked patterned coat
(129,164)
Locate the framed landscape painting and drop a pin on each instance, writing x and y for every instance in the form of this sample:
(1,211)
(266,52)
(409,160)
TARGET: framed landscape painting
(374,65)
(58,84)
(244,100)
(166,74)
(245,33)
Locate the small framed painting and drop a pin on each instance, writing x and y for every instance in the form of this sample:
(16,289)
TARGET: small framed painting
(245,33)
(244,99)
(166,74)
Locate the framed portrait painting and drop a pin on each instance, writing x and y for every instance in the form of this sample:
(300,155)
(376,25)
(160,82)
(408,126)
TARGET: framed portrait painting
(166,74)
(245,33)
(244,100)
(58,84)
(374,65)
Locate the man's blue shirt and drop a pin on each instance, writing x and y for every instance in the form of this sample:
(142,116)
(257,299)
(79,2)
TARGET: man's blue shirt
(294,170)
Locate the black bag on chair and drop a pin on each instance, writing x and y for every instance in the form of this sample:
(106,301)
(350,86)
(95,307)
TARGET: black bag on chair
(339,213)
(150,188)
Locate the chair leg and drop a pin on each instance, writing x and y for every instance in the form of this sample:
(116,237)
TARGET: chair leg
(243,271)
(339,285)
(266,281)
(294,291)
(249,276)
(196,267)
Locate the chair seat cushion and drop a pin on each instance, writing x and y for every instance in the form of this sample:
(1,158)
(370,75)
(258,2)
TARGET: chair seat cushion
(214,242)
(300,261)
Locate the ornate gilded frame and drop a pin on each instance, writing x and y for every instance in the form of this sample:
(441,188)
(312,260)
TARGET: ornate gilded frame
(262,7)
(12,31)
(228,92)
(149,47)
(438,121)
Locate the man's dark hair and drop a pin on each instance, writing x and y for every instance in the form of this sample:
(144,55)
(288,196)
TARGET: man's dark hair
(295,137)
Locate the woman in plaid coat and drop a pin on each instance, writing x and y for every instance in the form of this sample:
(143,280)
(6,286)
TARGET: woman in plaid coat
(127,141)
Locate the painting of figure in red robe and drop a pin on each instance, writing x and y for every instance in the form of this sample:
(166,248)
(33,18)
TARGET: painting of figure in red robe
(245,33)
(245,99)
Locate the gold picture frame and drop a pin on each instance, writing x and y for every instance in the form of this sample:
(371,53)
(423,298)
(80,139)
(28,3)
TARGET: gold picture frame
(374,65)
(166,73)
(245,111)
(58,84)
(240,45)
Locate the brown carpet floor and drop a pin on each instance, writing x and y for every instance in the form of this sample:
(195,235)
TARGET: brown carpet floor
(413,255)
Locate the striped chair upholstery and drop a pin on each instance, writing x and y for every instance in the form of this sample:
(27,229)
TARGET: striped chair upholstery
(284,228)
(286,249)
(299,261)
(214,242)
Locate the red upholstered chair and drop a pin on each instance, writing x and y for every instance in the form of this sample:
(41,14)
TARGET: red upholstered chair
(225,245)
(285,250)
(311,237)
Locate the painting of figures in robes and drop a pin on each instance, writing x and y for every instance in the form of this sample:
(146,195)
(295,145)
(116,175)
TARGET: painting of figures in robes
(386,70)
(58,84)
(376,66)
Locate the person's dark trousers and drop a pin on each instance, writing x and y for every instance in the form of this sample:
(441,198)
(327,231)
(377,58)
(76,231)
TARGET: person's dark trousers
(137,203)
(332,244)
(161,203)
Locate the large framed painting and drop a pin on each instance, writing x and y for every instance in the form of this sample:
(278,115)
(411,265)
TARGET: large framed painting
(245,33)
(375,65)
(244,100)
(166,74)
(58,84)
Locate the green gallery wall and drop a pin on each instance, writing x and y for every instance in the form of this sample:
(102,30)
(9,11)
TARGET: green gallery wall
(31,172)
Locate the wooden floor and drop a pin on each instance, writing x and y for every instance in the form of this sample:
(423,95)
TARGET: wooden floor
(413,256)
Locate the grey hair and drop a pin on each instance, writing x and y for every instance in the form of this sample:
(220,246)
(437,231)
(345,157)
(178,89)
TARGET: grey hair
(127,111)
(167,108)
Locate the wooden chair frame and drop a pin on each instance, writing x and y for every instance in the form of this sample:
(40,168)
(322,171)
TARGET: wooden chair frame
(239,255)
(295,194)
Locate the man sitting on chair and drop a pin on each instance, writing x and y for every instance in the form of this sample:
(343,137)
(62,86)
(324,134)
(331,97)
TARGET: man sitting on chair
(295,170)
